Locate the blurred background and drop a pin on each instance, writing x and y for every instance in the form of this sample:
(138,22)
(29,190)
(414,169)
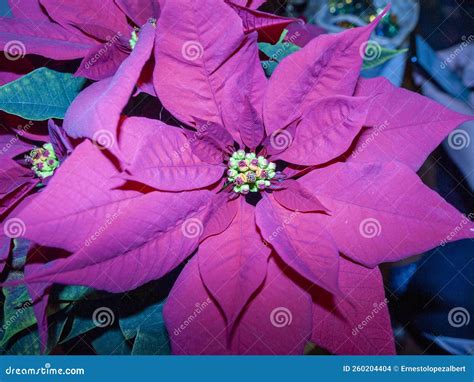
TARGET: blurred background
(432,295)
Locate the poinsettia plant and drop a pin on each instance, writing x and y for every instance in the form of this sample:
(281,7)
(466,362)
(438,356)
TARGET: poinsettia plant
(275,199)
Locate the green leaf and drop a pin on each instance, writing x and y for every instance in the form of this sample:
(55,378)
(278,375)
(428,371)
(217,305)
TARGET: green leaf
(276,52)
(27,344)
(73,293)
(381,57)
(18,312)
(41,94)
(269,67)
(80,325)
(148,329)
(111,342)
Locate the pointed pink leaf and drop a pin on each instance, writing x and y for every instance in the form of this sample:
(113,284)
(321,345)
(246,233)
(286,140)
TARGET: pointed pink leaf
(105,65)
(252,131)
(127,237)
(204,54)
(383,212)
(327,130)
(233,264)
(243,97)
(11,144)
(76,12)
(164,160)
(295,197)
(29,10)
(221,215)
(301,34)
(329,65)
(252,4)
(49,40)
(268,25)
(95,113)
(210,141)
(404,125)
(341,324)
(140,10)
(276,321)
(15,182)
(300,241)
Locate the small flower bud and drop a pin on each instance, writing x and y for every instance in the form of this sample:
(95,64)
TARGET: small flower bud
(251,177)
(243,166)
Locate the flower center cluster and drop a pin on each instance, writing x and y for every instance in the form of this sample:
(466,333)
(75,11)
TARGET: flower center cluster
(249,173)
(136,31)
(43,160)
(134,38)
